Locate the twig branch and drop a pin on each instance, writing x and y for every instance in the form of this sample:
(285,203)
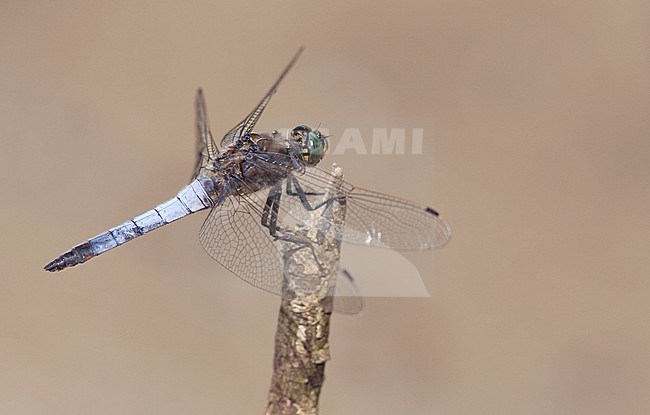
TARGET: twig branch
(301,340)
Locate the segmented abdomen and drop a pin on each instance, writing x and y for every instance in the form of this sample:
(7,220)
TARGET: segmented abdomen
(196,196)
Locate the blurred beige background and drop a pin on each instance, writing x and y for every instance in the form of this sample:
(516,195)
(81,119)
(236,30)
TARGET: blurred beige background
(539,160)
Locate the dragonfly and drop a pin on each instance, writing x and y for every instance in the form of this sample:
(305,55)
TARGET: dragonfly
(251,183)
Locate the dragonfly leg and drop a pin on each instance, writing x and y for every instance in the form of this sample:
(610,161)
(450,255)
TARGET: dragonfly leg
(292,192)
(270,213)
(302,195)
(270,221)
(300,244)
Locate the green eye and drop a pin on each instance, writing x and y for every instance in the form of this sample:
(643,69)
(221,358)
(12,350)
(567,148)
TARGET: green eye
(314,148)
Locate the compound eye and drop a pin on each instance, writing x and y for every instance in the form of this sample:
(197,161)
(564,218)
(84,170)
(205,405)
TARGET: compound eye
(314,149)
(300,132)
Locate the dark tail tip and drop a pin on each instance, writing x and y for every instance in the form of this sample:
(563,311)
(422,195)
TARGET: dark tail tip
(56,265)
(77,255)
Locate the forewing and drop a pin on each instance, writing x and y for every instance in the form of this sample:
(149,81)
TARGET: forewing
(248,123)
(372,218)
(233,235)
(377,219)
(206,149)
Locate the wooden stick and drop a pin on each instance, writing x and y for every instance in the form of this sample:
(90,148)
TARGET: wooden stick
(301,340)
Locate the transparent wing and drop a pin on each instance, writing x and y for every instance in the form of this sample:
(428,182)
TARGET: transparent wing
(377,219)
(248,123)
(233,235)
(347,298)
(206,149)
(372,218)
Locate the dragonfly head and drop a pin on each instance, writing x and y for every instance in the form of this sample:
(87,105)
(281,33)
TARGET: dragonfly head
(313,144)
